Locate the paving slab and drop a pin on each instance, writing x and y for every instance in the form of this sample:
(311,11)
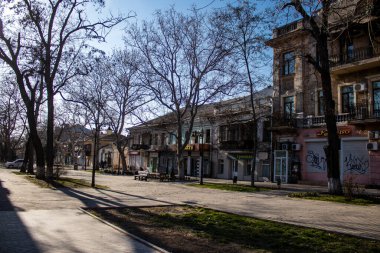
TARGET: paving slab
(62,231)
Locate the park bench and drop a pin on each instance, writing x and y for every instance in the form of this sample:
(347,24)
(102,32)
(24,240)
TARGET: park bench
(164,176)
(167,177)
(142,175)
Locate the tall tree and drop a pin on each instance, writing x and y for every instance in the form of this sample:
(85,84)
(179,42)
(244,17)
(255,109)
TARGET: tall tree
(12,127)
(51,34)
(126,92)
(29,81)
(91,94)
(244,26)
(185,66)
(317,16)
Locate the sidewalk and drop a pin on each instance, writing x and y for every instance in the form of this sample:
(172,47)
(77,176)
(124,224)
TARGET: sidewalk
(288,187)
(40,216)
(51,222)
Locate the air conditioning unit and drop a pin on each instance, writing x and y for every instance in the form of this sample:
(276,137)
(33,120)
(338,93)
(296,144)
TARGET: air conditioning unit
(373,135)
(360,87)
(284,146)
(372,146)
(296,147)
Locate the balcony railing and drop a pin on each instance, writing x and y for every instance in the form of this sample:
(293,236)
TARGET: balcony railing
(242,145)
(139,146)
(355,55)
(358,112)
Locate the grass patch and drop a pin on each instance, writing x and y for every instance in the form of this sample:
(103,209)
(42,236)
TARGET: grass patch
(63,182)
(191,229)
(356,200)
(230,187)
(19,173)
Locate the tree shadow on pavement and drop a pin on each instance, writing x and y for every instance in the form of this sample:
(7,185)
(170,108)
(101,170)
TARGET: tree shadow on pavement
(14,235)
(102,199)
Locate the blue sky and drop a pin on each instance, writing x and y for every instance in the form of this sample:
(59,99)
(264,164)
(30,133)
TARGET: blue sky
(144,9)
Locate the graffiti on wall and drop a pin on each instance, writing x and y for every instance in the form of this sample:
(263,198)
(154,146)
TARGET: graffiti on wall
(355,164)
(316,160)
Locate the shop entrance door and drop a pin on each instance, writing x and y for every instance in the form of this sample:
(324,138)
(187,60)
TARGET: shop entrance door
(281,165)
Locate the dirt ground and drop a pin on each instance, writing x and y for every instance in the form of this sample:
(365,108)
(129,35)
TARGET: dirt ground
(145,223)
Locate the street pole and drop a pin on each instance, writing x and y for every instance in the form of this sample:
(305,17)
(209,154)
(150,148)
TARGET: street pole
(201,156)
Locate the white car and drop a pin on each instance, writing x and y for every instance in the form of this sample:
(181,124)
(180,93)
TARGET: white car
(15,164)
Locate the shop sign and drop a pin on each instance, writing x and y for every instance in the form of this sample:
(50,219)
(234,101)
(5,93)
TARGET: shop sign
(324,133)
(189,147)
(242,156)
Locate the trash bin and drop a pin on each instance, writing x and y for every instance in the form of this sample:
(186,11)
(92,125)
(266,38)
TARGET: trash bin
(234,179)
(75,166)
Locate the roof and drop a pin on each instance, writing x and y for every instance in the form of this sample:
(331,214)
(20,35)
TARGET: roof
(210,110)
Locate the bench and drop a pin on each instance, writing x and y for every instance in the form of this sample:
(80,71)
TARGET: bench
(167,177)
(164,176)
(142,175)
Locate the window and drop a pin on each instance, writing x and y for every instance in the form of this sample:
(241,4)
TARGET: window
(223,133)
(347,99)
(162,139)
(221,166)
(350,51)
(248,168)
(173,139)
(208,136)
(288,107)
(288,63)
(376,98)
(321,103)
(266,131)
(233,133)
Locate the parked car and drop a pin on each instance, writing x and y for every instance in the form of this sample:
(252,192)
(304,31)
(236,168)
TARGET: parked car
(15,164)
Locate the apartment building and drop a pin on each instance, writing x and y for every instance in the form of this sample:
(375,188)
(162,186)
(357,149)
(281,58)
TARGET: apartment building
(299,131)
(221,141)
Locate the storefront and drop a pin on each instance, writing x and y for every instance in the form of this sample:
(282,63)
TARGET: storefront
(356,162)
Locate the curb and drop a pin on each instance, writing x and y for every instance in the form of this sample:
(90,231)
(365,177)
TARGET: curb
(139,239)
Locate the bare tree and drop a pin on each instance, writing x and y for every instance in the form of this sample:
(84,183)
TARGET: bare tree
(126,92)
(51,36)
(185,66)
(91,94)
(11,128)
(317,15)
(244,26)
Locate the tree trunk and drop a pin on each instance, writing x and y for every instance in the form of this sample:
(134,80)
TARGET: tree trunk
(180,168)
(95,158)
(50,136)
(30,159)
(253,170)
(333,147)
(26,155)
(120,149)
(37,144)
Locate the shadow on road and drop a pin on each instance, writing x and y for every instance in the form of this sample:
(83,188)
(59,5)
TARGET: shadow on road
(14,236)
(103,198)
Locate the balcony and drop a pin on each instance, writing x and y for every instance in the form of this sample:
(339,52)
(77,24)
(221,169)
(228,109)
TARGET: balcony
(287,28)
(197,147)
(357,115)
(140,146)
(358,59)
(284,123)
(236,145)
